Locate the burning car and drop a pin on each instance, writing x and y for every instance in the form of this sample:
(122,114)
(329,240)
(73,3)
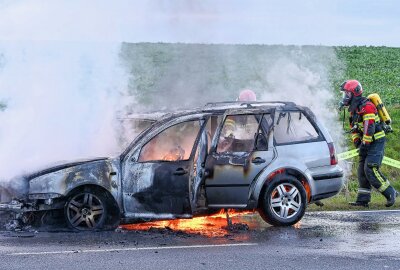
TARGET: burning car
(274,157)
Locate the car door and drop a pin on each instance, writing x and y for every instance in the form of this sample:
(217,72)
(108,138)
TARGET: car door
(156,180)
(239,153)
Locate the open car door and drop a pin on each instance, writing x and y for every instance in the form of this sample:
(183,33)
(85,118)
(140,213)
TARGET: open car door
(156,184)
(241,149)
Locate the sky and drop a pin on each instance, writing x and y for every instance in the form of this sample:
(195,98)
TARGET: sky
(306,22)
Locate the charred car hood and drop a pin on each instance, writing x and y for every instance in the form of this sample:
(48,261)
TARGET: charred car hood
(60,166)
(62,178)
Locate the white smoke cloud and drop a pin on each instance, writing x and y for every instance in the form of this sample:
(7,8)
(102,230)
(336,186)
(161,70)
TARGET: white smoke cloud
(63,96)
(289,81)
(62,99)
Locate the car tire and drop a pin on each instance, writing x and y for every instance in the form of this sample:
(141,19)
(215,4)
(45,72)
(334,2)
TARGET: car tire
(86,210)
(284,201)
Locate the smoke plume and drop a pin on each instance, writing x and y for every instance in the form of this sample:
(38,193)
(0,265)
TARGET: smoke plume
(171,76)
(61,103)
(63,100)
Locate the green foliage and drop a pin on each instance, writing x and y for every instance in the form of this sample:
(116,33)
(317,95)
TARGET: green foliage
(377,68)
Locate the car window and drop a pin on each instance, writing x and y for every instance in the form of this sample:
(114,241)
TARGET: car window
(238,133)
(292,127)
(173,144)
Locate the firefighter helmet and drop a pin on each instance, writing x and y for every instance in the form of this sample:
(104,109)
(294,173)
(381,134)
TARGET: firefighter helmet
(247,95)
(352,86)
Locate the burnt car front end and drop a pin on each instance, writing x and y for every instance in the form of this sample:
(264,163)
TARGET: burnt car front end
(31,195)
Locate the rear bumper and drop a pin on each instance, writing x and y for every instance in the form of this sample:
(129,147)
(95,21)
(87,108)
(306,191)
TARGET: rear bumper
(326,182)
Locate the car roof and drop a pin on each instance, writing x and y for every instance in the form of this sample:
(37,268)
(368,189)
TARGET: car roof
(213,107)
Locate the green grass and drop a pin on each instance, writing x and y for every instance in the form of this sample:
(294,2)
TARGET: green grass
(341,202)
(378,69)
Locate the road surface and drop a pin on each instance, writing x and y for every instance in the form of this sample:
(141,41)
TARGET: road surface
(323,240)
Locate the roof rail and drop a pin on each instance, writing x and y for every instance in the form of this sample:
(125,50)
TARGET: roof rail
(247,103)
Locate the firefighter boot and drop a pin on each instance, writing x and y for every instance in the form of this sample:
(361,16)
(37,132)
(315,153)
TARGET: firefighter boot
(390,194)
(363,198)
(359,203)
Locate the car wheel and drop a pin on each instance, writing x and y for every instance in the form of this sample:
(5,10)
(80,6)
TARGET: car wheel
(284,201)
(86,210)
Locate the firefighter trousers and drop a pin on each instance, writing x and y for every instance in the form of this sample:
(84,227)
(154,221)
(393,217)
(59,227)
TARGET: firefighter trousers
(369,173)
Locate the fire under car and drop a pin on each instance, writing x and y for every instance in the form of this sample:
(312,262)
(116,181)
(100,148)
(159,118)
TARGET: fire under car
(272,157)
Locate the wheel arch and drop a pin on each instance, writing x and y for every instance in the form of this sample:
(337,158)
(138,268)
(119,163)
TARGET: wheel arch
(112,206)
(303,179)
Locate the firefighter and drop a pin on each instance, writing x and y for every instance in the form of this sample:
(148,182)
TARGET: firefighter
(232,128)
(369,137)
(247,95)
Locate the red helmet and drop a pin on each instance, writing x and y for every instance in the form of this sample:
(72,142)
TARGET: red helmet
(352,86)
(247,95)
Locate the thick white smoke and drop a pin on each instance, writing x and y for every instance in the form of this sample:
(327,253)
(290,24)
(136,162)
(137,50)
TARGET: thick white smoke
(172,76)
(61,99)
(291,81)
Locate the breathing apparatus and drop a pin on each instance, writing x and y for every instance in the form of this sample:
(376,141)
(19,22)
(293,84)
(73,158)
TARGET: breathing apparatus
(382,112)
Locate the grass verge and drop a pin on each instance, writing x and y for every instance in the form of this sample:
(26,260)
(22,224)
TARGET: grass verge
(341,202)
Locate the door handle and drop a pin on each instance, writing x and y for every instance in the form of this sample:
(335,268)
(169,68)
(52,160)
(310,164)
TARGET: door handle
(258,160)
(180,171)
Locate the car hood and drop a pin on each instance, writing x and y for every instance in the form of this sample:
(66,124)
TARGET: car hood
(60,166)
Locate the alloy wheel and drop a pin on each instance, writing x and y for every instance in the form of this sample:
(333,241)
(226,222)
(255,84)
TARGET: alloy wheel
(285,201)
(85,211)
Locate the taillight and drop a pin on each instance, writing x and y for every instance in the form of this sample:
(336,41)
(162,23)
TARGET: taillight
(332,154)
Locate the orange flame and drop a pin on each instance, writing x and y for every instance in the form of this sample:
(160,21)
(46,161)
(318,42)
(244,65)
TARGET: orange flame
(213,225)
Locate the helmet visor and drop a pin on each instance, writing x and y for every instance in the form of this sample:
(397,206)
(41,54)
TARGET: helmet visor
(346,98)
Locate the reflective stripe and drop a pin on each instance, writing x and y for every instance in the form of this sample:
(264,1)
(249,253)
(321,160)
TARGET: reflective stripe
(369,116)
(384,184)
(379,135)
(364,191)
(384,187)
(377,119)
(355,136)
(229,122)
(367,138)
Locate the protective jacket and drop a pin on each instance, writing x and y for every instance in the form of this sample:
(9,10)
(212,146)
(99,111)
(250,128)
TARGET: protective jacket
(365,123)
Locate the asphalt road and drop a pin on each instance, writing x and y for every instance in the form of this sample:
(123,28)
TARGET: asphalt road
(326,240)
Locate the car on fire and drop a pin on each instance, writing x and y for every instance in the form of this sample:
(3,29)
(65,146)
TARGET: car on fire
(273,157)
